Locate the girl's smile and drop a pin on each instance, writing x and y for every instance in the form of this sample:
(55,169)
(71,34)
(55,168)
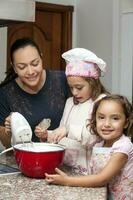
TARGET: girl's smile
(106,131)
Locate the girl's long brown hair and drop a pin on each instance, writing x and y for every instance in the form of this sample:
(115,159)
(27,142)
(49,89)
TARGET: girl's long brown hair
(97,87)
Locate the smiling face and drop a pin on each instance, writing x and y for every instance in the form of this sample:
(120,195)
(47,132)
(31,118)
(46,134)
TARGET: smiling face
(80,88)
(28,66)
(110,121)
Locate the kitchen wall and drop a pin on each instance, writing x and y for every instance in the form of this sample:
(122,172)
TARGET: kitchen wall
(106,27)
(94,31)
(126,61)
(3,50)
(63,2)
(99,25)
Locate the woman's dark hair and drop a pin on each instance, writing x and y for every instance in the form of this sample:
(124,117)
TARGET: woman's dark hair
(127,109)
(19,43)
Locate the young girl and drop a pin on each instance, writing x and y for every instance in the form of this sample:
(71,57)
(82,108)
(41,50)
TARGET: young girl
(83,69)
(112,120)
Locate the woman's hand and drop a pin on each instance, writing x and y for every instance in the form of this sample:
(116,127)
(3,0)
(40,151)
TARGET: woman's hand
(41,133)
(57,135)
(59,179)
(8,124)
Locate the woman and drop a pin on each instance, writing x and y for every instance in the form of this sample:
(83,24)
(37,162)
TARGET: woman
(31,90)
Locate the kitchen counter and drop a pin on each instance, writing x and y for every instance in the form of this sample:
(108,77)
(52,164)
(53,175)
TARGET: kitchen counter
(19,187)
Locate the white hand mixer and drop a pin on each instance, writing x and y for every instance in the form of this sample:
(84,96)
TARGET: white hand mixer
(21,130)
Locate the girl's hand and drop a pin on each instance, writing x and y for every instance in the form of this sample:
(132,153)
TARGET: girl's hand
(8,124)
(57,135)
(41,133)
(59,179)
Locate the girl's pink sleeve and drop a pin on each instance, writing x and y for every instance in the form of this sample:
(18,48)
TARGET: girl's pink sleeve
(123,145)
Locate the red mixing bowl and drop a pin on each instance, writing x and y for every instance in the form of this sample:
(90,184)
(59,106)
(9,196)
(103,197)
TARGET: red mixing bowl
(34,160)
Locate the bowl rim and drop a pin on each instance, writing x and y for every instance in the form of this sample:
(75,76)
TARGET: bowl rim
(21,147)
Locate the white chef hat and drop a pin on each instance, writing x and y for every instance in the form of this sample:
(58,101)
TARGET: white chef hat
(82,62)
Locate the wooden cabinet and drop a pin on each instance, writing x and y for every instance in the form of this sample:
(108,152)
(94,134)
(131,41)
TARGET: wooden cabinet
(52,30)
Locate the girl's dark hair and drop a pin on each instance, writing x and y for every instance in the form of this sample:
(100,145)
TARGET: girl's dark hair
(127,109)
(19,43)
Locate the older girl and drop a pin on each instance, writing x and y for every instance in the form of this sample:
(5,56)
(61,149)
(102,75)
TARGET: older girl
(83,71)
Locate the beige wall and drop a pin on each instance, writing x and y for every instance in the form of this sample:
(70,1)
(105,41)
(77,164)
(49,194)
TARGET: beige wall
(94,30)
(63,2)
(3,39)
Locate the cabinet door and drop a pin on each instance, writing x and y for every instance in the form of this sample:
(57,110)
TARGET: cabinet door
(52,30)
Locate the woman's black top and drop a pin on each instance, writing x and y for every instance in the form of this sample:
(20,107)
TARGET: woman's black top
(47,103)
